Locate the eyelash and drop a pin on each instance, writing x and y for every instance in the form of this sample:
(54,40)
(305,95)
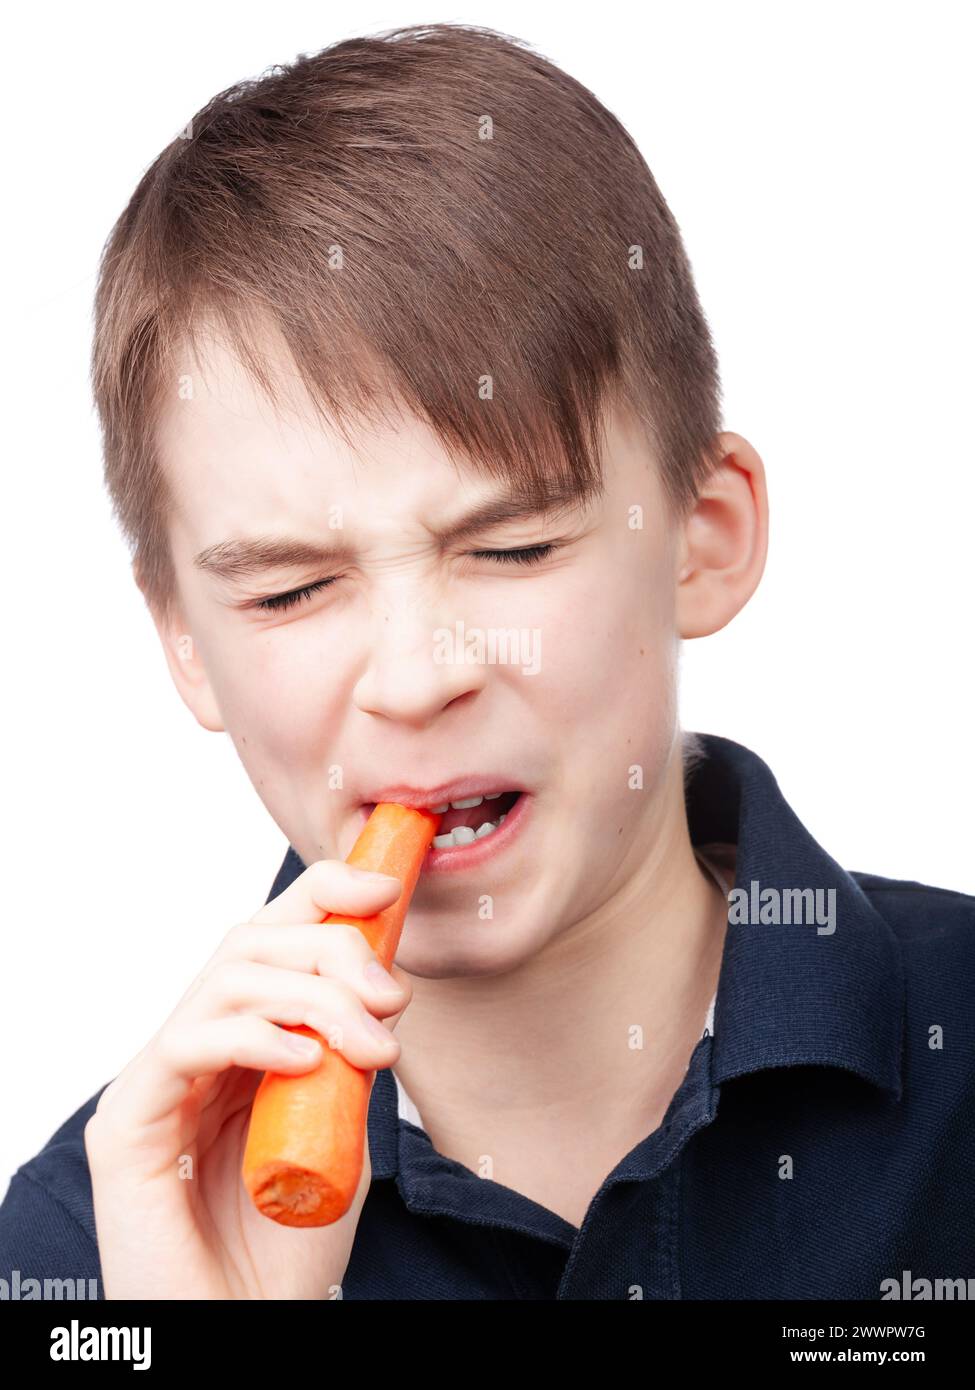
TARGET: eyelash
(525,555)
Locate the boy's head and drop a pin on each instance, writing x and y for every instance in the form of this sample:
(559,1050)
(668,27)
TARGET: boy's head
(356,299)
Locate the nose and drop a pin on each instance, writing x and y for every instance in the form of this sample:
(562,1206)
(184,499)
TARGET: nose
(413,670)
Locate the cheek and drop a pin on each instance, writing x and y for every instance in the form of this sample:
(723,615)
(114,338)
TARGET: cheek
(281,707)
(608,689)
(277,695)
(608,646)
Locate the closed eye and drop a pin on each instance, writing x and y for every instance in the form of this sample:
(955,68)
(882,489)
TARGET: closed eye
(525,555)
(280,601)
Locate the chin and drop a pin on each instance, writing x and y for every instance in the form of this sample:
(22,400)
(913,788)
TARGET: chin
(480,951)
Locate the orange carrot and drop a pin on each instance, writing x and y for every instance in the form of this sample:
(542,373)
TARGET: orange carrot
(304,1152)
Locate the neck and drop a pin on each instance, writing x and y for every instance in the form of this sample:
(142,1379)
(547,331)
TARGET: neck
(593,1034)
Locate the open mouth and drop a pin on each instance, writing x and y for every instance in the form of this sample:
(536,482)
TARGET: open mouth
(463,822)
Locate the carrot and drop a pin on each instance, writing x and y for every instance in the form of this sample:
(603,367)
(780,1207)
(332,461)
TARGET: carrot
(304,1152)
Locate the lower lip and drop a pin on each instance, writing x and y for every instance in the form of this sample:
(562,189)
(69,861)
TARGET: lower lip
(460,858)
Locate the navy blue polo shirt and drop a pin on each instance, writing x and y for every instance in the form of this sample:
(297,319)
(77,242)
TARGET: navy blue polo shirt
(819,1145)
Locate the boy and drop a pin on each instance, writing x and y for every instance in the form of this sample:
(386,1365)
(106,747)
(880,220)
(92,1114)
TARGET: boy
(411,415)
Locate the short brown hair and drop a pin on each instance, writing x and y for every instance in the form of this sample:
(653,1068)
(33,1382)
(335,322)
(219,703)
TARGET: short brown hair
(350,201)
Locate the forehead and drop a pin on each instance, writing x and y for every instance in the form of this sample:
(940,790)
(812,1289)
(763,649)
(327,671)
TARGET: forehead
(225,446)
(236,460)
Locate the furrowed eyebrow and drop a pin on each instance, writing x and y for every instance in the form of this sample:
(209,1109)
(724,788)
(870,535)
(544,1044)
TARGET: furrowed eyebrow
(512,507)
(241,559)
(246,557)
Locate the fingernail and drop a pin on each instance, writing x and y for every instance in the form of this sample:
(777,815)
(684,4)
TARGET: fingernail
(377,1029)
(381,978)
(299,1043)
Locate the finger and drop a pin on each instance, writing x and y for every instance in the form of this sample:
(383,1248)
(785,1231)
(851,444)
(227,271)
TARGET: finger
(164,1074)
(335,949)
(291,997)
(331,885)
(406,984)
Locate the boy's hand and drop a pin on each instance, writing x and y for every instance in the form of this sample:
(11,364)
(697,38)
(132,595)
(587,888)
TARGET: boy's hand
(166,1144)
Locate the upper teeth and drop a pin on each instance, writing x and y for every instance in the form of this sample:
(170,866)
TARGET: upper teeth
(466,804)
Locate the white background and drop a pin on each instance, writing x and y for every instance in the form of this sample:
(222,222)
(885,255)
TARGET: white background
(818,159)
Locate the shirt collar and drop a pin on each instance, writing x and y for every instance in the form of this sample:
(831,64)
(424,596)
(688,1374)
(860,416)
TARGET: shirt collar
(789,995)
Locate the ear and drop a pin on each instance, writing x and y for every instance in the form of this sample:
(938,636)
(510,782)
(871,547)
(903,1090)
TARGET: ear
(185,663)
(724,542)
